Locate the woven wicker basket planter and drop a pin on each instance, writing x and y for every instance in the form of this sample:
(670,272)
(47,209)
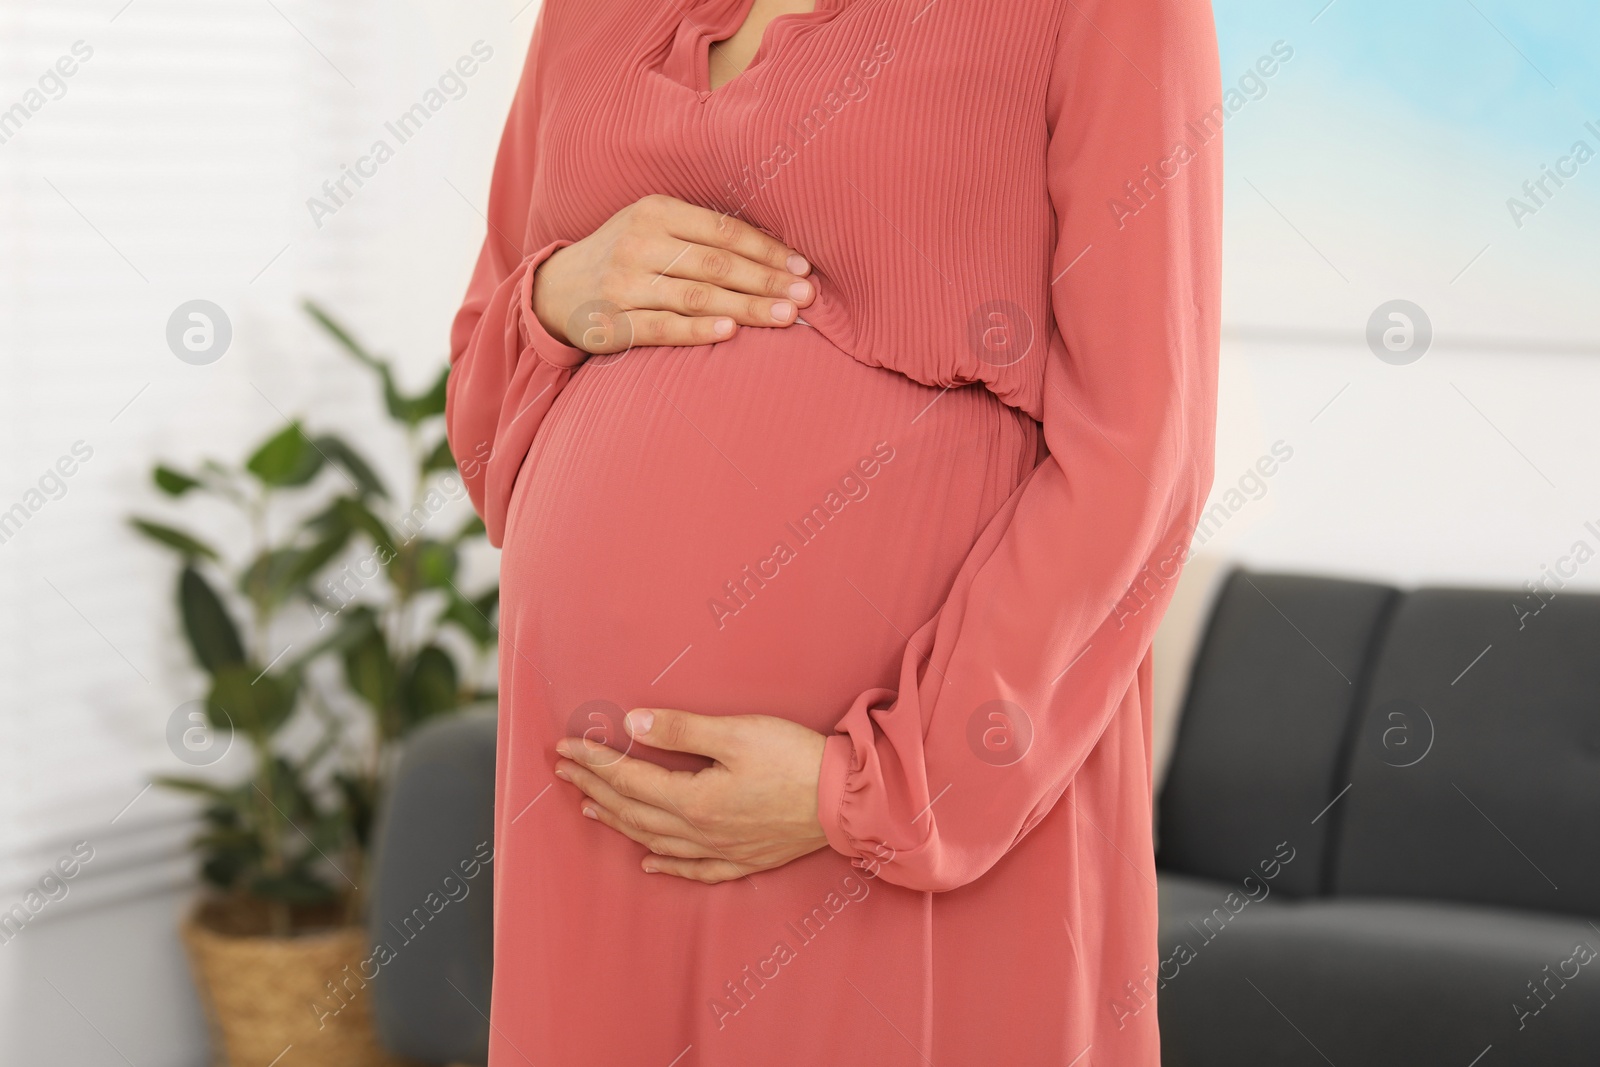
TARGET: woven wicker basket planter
(269,999)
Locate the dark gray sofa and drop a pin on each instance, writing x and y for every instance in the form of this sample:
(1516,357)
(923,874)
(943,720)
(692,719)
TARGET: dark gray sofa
(1379,841)
(1431,762)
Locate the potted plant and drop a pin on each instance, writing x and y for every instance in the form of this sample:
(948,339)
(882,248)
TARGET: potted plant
(333,568)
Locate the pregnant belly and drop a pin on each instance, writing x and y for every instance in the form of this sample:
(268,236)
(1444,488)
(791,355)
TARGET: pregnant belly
(756,526)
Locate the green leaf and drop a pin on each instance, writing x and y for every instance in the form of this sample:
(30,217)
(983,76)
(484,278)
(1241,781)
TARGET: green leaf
(465,614)
(330,832)
(287,458)
(370,672)
(329,520)
(229,830)
(342,455)
(431,685)
(410,410)
(313,558)
(358,516)
(174,483)
(413,410)
(207,623)
(224,867)
(227,815)
(360,801)
(440,459)
(265,580)
(290,797)
(255,703)
(431,403)
(436,564)
(166,535)
(297,887)
(196,785)
(340,334)
(350,631)
(393,400)
(473,527)
(400,407)
(280,573)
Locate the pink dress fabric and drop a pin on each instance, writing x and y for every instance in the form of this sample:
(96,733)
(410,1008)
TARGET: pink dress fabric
(938,521)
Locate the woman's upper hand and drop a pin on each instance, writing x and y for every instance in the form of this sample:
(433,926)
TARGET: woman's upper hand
(753,810)
(666,272)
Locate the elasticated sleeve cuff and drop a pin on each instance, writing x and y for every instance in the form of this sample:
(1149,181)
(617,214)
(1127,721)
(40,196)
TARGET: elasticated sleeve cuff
(837,755)
(534,335)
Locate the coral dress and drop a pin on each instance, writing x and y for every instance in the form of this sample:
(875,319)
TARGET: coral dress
(937,521)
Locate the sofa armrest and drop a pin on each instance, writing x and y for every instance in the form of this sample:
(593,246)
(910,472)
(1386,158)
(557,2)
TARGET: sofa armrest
(431,915)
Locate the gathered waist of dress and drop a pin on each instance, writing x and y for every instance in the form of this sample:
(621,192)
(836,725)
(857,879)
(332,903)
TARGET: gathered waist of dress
(823,330)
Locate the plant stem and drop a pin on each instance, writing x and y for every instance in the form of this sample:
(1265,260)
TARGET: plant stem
(269,811)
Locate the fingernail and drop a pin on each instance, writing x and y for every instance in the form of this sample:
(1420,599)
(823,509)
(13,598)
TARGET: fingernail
(561,773)
(563,749)
(649,870)
(639,722)
(800,290)
(782,310)
(797,264)
(723,326)
(588,813)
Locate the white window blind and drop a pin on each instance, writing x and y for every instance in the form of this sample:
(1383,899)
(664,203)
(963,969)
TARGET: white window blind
(175,163)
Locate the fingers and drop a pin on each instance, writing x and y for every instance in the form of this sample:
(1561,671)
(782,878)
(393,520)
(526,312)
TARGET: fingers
(640,815)
(702,226)
(715,736)
(697,280)
(645,328)
(634,778)
(709,871)
(690,294)
(722,253)
(664,272)
(663,832)
(728,270)
(658,844)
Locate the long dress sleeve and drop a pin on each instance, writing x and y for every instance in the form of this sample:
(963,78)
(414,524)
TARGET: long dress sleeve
(1006,691)
(505,368)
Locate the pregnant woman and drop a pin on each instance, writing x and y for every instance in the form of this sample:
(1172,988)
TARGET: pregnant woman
(839,383)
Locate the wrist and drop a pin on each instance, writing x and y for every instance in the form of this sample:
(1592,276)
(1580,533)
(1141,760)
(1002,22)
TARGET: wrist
(539,297)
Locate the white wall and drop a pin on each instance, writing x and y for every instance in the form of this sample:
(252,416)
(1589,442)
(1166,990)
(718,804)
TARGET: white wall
(1467,467)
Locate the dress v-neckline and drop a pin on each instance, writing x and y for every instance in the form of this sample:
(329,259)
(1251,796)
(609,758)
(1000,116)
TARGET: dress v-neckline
(723,18)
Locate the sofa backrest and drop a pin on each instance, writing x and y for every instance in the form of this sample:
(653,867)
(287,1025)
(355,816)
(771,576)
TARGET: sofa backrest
(1261,743)
(1476,770)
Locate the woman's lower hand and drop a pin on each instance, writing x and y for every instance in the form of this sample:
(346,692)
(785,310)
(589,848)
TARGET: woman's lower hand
(753,810)
(663,271)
